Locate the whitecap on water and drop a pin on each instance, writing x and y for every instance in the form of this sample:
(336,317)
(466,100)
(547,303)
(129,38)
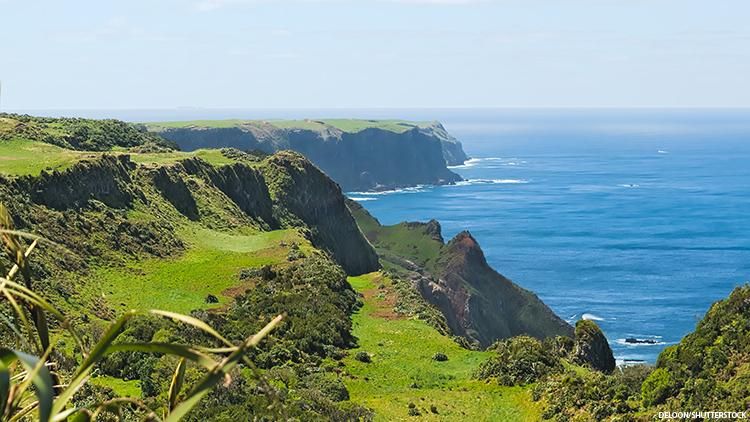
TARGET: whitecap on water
(470,182)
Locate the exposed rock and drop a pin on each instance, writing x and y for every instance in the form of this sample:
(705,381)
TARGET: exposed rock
(244,185)
(173,187)
(452,150)
(591,347)
(303,194)
(105,179)
(481,304)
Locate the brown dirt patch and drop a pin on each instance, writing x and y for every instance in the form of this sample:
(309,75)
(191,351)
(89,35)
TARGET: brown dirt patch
(383,299)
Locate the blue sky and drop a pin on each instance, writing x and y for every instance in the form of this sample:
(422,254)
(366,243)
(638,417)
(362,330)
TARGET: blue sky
(374,53)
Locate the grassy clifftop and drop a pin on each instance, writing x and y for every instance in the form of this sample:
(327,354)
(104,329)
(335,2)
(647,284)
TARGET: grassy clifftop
(319,125)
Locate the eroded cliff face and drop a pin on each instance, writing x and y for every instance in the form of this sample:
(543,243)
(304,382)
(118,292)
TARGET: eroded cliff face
(484,305)
(302,194)
(96,198)
(478,303)
(371,159)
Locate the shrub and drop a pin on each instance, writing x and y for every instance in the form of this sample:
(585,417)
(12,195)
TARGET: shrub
(657,387)
(440,357)
(518,361)
(363,356)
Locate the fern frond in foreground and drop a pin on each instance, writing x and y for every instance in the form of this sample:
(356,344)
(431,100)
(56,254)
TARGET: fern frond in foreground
(32,386)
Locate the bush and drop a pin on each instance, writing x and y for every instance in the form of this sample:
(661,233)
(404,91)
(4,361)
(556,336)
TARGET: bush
(657,387)
(440,357)
(363,357)
(518,361)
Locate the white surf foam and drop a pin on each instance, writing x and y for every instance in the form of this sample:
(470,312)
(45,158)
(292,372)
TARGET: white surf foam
(469,182)
(362,199)
(471,162)
(591,317)
(413,189)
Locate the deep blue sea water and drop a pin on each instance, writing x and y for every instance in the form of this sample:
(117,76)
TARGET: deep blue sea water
(640,219)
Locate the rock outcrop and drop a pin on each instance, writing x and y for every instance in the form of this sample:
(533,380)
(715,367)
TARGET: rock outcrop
(303,194)
(369,159)
(478,303)
(105,179)
(591,347)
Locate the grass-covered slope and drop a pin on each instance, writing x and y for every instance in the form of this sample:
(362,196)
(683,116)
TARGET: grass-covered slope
(478,303)
(404,377)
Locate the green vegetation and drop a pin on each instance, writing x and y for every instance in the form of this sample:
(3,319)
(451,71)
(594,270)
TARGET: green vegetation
(80,134)
(120,387)
(22,156)
(357,125)
(709,368)
(213,156)
(579,394)
(211,265)
(30,354)
(402,370)
(344,125)
(519,360)
(30,145)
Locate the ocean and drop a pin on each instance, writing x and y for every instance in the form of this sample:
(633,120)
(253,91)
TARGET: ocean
(638,219)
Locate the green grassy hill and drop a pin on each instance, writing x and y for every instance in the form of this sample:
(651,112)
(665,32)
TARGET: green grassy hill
(403,372)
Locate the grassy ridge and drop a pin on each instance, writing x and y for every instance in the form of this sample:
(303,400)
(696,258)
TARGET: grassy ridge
(402,370)
(22,157)
(344,125)
(19,157)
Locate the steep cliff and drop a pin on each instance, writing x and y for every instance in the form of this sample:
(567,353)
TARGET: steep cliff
(478,303)
(363,159)
(591,347)
(302,194)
